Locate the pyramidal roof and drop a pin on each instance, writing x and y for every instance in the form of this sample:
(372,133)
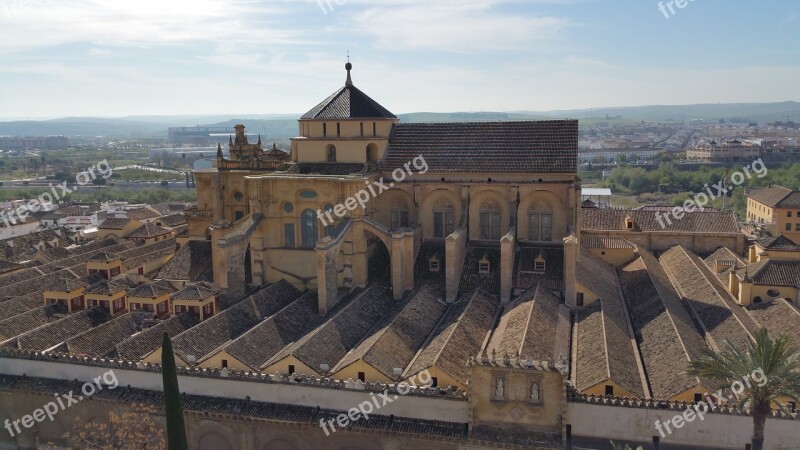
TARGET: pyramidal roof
(349,102)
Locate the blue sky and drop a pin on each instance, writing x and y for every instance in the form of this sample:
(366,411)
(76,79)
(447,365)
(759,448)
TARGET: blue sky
(117,58)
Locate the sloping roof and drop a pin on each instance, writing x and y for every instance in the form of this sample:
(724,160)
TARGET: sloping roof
(149,340)
(19,305)
(779,243)
(779,317)
(665,332)
(728,259)
(9,266)
(29,320)
(472,279)
(553,277)
(773,272)
(151,290)
(192,262)
(102,340)
(486,147)
(199,291)
(104,257)
(107,287)
(775,196)
(262,342)
(330,341)
(65,285)
(231,323)
(349,102)
(142,214)
(173,220)
(606,242)
(534,326)
(147,230)
(396,339)
(114,223)
(711,305)
(647,221)
(458,336)
(602,337)
(57,332)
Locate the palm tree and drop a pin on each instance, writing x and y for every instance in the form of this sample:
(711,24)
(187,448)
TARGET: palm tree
(777,364)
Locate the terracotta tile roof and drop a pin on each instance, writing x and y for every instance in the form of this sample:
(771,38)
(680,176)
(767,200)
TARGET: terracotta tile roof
(549,146)
(231,323)
(709,303)
(148,230)
(459,335)
(151,290)
(349,102)
(330,342)
(149,340)
(192,262)
(664,329)
(602,337)
(262,342)
(173,220)
(535,326)
(646,221)
(779,317)
(394,341)
(30,320)
(780,243)
(606,242)
(102,340)
(774,272)
(199,291)
(114,224)
(553,277)
(57,332)
(142,214)
(776,197)
(20,248)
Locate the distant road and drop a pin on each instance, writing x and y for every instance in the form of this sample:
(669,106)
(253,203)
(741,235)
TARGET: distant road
(7,185)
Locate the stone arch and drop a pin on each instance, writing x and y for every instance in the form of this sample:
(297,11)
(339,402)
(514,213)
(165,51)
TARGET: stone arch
(543,202)
(395,199)
(213,441)
(488,198)
(330,153)
(372,152)
(437,200)
(279,444)
(379,256)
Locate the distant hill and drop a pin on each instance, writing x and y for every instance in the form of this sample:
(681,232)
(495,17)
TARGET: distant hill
(283,126)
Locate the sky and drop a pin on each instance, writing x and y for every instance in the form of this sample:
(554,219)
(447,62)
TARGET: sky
(113,58)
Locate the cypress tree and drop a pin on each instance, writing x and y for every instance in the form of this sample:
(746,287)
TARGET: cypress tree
(176,429)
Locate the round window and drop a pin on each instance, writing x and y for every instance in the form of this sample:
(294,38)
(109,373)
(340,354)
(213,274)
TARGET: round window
(774,293)
(238,196)
(288,207)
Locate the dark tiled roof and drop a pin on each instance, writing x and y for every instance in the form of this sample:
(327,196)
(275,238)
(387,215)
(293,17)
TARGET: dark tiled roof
(458,336)
(199,291)
(107,287)
(606,242)
(192,262)
(472,279)
(553,277)
(396,339)
(142,214)
(20,248)
(712,307)
(602,336)
(104,257)
(779,317)
(263,341)
(151,290)
(102,340)
(729,261)
(422,273)
(329,342)
(149,340)
(173,220)
(534,326)
(27,321)
(147,230)
(231,323)
(349,102)
(340,169)
(780,243)
(646,221)
(774,272)
(486,147)
(666,335)
(776,196)
(19,305)
(57,332)
(9,266)
(114,224)
(65,285)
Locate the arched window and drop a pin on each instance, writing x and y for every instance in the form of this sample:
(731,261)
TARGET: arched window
(540,222)
(490,220)
(308,224)
(331,152)
(399,215)
(444,219)
(372,152)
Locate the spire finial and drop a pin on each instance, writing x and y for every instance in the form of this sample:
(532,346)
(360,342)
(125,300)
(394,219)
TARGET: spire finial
(348,67)
(219,150)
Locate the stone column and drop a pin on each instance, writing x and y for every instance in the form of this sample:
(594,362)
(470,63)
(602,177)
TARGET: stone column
(571,249)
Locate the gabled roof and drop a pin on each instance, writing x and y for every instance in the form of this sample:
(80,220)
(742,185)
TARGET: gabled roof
(773,272)
(349,102)
(106,287)
(102,340)
(30,320)
(606,242)
(777,197)
(549,146)
(150,290)
(199,291)
(173,220)
(149,340)
(65,285)
(148,230)
(648,221)
(57,332)
(104,257)
(143,214)
(779,243)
